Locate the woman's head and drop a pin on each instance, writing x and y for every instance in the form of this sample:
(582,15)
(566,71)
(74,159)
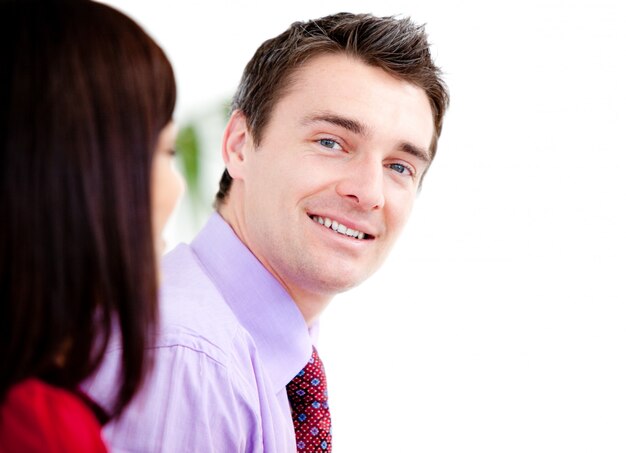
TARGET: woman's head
(85,96)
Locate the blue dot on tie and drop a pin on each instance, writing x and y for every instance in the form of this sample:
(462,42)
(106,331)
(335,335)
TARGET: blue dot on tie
(324,445)
(316,404)
(315,382)
(302,417)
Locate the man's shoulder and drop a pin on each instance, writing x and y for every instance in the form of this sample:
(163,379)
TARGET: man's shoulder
(198,334)
(183,270)
(194,312)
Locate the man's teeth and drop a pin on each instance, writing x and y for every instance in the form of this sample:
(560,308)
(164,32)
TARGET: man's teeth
(338,227)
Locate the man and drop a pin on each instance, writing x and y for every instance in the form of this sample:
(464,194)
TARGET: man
(334,124)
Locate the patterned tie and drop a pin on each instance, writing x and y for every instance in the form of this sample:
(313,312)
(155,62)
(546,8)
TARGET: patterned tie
(308,397)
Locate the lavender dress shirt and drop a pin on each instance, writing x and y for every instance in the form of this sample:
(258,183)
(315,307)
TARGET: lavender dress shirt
(230,340)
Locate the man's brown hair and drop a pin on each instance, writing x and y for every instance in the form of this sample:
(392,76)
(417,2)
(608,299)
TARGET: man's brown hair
(397,46)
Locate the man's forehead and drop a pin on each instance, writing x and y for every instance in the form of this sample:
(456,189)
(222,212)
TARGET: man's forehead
(336,83)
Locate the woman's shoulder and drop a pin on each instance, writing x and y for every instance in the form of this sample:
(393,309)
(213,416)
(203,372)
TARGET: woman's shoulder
(36,417)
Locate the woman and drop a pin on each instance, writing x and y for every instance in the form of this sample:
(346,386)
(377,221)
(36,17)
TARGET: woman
(87,184)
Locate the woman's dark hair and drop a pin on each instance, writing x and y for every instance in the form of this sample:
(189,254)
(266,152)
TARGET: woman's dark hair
(84,95)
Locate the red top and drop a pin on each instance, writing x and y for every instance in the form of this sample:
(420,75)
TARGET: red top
(37,417)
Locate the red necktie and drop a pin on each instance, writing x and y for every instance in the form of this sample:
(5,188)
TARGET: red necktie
(308,398)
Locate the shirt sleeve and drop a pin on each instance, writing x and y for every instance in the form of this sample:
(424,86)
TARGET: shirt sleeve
(191,402)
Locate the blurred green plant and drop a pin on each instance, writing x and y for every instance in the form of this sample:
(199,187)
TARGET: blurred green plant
(198,146)
(188,151)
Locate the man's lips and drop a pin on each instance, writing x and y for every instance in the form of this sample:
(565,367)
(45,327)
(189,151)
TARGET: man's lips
(340,228)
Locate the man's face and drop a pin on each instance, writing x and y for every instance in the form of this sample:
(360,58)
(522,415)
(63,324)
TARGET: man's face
(325,195)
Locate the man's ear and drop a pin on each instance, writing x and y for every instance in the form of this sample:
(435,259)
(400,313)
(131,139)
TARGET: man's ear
(236,141)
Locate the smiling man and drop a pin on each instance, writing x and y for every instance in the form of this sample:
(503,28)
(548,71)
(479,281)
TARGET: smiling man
(323,196)
(334,124)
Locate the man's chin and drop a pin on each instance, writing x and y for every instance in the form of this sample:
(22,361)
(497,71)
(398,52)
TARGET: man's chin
(338,283)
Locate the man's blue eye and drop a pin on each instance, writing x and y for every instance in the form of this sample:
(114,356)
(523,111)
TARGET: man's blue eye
(402,169)
(328,143)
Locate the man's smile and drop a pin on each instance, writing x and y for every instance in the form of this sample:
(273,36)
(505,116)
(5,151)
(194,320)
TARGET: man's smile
(340,228)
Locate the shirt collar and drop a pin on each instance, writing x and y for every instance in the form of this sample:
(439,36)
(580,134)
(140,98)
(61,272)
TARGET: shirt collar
(261,304)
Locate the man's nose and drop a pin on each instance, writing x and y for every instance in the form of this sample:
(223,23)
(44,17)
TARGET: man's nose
(363,182)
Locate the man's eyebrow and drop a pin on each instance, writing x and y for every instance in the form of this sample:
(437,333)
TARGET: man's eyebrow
(354,126)
(416,151)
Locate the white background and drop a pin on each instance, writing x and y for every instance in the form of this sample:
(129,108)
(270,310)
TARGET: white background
(498,323)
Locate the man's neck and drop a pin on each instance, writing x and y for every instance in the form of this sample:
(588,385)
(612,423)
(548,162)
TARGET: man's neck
(311,304)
